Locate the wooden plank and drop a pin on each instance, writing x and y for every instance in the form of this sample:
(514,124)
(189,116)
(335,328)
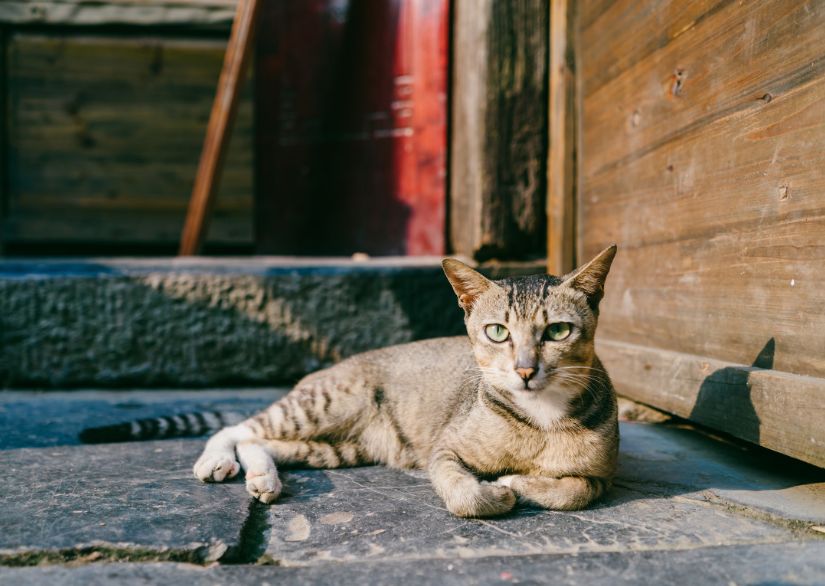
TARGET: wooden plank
(728,62)
(561,166)
(624,32)
(780,411)
(216,14)
(154,227)
(219,129)
(100,123)
(499,128)
(703,156)
(721,236)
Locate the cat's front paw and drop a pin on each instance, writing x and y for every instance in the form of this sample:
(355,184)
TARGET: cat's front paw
(216,467)
(488,500)
(264,486)
(505,480)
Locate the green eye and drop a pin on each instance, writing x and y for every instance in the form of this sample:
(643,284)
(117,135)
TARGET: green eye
(497,332)
(558,331)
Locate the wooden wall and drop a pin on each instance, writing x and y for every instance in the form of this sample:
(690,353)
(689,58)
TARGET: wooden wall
(104,127)
(702,154)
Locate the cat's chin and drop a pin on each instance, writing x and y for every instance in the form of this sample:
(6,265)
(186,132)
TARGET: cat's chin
(531,389)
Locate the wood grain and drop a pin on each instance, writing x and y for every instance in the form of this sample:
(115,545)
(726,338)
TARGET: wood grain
(624,32)
(726,63)
(98,123)
(216,14)
(721,235)
(219,129)
(499,128)
(563,122)
(703,156)
(781,411)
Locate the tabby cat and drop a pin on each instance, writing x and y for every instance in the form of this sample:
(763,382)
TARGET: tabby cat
(521,402)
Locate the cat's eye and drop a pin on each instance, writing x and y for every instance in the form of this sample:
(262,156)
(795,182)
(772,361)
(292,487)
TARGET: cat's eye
(557,331)
(497,332)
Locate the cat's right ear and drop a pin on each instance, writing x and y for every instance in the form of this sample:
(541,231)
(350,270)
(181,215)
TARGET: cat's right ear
(467,283)
(590,277)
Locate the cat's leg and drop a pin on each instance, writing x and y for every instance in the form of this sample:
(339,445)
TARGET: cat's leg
(568,493)
(461,491)
(262,480)
(315,454)
(259,458)
(319,405)
(217,462)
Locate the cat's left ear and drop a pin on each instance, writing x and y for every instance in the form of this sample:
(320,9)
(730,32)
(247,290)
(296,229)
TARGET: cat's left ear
(467,283)
(589,279)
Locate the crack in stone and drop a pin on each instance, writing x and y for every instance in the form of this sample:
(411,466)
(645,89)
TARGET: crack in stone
(253,538)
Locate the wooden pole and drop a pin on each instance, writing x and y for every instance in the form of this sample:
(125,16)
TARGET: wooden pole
(561,170)
(219,129)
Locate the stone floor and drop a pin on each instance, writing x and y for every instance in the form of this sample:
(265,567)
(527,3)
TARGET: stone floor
(686,508)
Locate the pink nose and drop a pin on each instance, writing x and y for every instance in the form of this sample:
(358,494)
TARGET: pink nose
(526,373)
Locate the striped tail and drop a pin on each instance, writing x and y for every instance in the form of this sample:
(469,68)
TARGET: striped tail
(184,425)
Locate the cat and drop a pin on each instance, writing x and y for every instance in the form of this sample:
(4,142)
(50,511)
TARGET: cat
(519,409)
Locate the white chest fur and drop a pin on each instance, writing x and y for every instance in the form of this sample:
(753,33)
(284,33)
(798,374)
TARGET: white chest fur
(544,408)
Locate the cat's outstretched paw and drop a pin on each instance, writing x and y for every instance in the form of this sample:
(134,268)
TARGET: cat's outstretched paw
(216,467)
(488,500)
(264,486)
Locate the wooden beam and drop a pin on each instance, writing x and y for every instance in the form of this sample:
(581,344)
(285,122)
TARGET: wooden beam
(777,410)
(562,121)
(499,128)
(219,129)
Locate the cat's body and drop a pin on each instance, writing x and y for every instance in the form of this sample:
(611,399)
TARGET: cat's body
(523,401)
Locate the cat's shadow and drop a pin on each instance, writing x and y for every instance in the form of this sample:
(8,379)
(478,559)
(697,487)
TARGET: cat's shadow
(670,459)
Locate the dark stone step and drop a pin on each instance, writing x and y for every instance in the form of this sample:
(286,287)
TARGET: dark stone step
(210,322)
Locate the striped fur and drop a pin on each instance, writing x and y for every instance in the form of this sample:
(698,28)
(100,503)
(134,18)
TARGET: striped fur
(536,416)
(182,425)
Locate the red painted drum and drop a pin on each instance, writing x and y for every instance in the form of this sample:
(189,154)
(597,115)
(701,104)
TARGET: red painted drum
(351,99)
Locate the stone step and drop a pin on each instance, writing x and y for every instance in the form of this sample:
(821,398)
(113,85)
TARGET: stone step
(212,321)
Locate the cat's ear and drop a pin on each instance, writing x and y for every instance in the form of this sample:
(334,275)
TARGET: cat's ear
(589,279)
(467,283)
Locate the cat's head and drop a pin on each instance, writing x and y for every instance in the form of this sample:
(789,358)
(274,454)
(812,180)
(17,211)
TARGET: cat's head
(531,332)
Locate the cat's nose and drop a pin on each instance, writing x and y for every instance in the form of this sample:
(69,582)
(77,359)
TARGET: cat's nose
(526,373)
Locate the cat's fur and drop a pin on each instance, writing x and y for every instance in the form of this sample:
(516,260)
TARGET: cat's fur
(456,406)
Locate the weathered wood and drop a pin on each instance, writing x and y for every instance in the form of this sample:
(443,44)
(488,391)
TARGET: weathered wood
(100,124)
(781,411)
(722,233)
(561,166)
(155,229)
(703,156)
(188,13)
(729,61)
(219,130)
(499,128)
(619,33)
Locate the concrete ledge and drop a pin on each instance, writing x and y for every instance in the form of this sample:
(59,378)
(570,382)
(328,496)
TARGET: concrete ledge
(207,322)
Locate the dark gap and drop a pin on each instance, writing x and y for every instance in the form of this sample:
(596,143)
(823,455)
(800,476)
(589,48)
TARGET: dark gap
(253,538)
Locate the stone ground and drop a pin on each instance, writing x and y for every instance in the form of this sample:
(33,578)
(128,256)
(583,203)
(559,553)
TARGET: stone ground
(686,508)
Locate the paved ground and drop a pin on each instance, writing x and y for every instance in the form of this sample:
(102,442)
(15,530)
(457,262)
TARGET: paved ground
(686,509)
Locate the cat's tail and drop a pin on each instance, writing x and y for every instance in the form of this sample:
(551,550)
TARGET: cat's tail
(184,425)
